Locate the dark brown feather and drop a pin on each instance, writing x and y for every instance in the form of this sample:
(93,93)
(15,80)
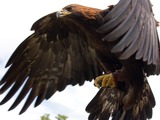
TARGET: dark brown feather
(57,54)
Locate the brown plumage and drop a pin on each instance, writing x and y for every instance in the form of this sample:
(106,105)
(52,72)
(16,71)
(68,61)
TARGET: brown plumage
(78,44)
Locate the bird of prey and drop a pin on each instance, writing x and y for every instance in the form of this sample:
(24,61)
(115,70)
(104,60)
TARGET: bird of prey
(118,47)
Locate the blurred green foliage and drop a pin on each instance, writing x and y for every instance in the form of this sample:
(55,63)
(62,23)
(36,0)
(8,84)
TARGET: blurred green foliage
(45,117)
(58,117)
(61,117)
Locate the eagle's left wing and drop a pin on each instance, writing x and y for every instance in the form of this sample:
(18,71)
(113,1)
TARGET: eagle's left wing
(57,54)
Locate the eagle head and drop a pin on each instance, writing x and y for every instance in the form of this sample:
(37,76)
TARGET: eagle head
(80,12)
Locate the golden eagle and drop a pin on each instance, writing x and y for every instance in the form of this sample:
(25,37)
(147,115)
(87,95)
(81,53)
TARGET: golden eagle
(80,43)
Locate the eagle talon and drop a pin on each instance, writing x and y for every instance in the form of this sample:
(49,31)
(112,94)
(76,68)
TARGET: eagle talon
(106,80)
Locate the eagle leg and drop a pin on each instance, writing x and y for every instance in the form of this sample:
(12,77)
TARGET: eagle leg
(106,80)
(111,79)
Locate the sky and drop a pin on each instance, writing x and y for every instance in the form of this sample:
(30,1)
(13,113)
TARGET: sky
(16,18)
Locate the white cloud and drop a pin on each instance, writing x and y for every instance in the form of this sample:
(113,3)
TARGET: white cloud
(17,16)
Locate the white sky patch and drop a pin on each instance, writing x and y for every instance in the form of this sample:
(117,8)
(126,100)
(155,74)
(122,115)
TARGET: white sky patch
(17,17)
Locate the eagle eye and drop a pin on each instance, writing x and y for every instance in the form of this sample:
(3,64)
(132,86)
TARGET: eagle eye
(69,8)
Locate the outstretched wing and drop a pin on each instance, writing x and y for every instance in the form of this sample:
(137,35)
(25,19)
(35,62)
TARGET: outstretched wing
(132,24)
(108,104)
(55,55)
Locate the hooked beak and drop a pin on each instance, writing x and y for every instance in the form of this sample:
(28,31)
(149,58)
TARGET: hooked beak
(62,13)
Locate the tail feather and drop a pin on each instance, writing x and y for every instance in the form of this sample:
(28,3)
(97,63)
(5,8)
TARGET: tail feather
(107,104)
